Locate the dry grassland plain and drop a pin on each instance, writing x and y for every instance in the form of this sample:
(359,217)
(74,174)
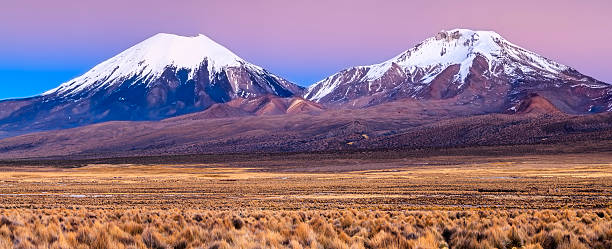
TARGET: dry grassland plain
(548,201)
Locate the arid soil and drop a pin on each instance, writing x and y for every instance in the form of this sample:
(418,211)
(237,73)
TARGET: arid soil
(448,182)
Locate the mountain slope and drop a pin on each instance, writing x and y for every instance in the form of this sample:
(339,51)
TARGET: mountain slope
(386,126)
(255,106)
(470,66)
(164,76)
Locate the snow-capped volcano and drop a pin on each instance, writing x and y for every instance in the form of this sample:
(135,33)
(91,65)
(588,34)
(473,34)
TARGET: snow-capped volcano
(148,60)
(164,76)
(452,56)
(457,71)
(461,46)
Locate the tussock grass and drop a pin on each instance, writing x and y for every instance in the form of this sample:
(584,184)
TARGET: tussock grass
(339,229)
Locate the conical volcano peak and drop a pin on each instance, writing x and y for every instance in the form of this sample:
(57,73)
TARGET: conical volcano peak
(457,46)
(163,76)
(185,49)
(453,46)
(183,52)
(461,47)
(452,64)
(151,57)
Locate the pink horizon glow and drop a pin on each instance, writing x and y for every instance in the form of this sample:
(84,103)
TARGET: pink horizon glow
(301,40)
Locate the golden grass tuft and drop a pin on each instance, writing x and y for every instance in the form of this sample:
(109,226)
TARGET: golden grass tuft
(178,229)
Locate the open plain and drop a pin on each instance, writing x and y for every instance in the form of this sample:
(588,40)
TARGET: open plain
(299,181)
(294,201)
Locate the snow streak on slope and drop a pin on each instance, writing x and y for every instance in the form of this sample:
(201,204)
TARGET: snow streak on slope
(151,57)
(456,47)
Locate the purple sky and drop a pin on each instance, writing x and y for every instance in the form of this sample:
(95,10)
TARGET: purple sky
(43,43)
